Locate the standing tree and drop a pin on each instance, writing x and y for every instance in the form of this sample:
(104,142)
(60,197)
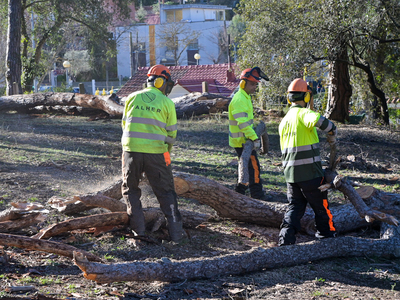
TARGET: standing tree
(284,37)
(176,37)
(49,24)
(13,62)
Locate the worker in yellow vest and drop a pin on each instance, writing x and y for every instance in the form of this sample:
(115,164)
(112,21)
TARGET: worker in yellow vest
(241,129)
(149,126)
(301,161)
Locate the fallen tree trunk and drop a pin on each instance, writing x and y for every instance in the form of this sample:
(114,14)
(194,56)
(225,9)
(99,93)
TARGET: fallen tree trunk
(196,104)
(193,104)
(229,204)
(28,243)
(233,264)
(23,102)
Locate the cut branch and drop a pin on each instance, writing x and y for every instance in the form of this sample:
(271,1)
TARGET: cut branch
(28,243)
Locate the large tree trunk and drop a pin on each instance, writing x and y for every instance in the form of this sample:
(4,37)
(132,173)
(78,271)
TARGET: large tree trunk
(24,102)
(340,89)
(229,204)
(13,63)
(194,104)
(233,264)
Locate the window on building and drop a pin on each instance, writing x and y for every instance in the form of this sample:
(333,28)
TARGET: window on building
(174,16)
(220,15)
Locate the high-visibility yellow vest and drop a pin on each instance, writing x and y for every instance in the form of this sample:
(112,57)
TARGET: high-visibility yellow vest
(241,119)
(149,122)
(300,143)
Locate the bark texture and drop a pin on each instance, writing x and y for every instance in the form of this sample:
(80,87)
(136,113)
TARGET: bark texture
(194,104)
(233,264)
(18,224)
(26,101)
(340,89)
(24,242)
(13,60)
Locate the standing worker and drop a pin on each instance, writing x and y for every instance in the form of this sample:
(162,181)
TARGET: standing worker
(241,129)
(149,127)
(302,164)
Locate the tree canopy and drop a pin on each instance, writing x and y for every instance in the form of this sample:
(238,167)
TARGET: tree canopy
(285,36)
(50,27)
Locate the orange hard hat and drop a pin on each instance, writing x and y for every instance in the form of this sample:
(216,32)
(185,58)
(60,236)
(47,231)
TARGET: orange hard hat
(159,70)
(251,74)
(298,85)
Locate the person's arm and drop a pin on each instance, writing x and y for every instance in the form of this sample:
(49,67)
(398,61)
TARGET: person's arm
(245,124)
(172,126)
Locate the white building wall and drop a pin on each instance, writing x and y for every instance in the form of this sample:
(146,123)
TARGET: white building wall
(208,50)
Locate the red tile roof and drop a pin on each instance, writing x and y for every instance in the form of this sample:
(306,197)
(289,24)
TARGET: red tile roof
(219,79)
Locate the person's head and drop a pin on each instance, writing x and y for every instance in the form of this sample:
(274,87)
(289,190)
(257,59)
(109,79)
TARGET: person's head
(299,92)
(159,76)
(250,78)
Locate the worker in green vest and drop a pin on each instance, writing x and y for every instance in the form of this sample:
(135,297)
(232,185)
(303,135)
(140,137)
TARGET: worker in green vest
(241,129)
(149,126)
(301,161)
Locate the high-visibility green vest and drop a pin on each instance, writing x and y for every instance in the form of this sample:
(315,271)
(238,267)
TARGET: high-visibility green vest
(300,143)
(241,119)
(149,122)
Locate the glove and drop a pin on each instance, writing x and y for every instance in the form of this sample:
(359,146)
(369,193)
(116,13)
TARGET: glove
(257,144)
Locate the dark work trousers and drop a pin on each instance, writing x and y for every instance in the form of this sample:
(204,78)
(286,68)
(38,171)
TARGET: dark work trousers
(158,170)
(255,182)
(298,195)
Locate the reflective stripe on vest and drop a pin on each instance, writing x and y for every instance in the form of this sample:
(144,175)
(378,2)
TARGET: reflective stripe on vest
(154,122)
(300,162)
(236,134)
(148,136)
(300,148)
(243,125)
(240,115)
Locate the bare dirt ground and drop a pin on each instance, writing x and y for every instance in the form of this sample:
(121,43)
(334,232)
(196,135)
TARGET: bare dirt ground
(52,155)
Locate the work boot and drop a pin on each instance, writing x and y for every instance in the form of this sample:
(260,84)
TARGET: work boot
(321,236)
(241,188)
(176,232)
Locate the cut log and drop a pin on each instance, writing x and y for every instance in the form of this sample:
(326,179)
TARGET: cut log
(102,201)
(11,214)
(234,264)
(24,222)
(196,104)
(366,192)
(28,243)
(154,219)
(83,222)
